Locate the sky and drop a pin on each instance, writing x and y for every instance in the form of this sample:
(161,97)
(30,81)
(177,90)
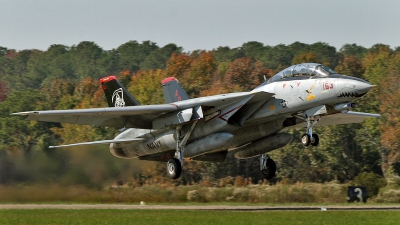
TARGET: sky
(205,24)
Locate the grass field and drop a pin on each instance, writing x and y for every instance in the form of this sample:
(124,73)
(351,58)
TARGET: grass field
(55,216)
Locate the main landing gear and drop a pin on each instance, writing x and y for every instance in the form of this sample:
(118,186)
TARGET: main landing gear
(175,165)
(267,166)
(174,168)
(309,137)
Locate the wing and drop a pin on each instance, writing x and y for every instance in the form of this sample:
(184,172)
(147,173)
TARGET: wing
(126,141)
(339,118)
(131,116)
(148,116)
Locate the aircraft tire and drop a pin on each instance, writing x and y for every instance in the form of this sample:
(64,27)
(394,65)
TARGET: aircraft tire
(315,140)
(174,168)
(270,171)
(305,139)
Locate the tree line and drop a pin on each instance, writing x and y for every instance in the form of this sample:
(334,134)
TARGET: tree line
(66,77)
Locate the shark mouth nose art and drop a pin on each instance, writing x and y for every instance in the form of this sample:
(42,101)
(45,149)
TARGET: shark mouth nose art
(354,89)
(350,95)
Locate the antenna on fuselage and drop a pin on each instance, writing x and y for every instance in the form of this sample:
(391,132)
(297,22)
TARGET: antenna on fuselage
(265,78)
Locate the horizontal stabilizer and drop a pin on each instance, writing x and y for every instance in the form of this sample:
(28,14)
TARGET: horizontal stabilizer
(100,142)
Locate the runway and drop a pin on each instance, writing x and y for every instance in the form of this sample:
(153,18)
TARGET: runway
(195,207)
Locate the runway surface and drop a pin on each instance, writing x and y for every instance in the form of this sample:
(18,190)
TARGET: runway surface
(196,207)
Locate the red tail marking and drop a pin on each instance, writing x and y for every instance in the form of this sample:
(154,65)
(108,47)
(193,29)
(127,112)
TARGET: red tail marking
(107,79)
(168,79)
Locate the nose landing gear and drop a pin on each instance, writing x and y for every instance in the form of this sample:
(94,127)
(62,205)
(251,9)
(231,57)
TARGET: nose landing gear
(309,137)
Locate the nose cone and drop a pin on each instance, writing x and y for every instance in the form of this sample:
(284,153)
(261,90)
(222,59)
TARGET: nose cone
(353,88)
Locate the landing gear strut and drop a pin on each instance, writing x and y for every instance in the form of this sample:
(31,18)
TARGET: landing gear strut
(309,137)
(175,165)
(267,166)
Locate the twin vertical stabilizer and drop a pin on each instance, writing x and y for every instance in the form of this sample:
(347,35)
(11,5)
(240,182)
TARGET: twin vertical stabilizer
(116,94)
(173,91)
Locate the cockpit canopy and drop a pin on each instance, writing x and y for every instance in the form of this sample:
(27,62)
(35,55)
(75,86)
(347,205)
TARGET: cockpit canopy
(304,69)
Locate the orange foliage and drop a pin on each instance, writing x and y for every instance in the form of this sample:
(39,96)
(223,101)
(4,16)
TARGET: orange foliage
(200,72)
(90,92)
(178,65)
(217,87)
(351,65)
(390,128)
(125,73)
(245,74)
(11,54)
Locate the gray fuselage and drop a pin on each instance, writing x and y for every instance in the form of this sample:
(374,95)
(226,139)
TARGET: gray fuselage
(292,96)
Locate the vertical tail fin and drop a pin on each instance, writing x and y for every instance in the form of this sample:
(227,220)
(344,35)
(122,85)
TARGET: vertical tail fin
(116,94)
(173,91)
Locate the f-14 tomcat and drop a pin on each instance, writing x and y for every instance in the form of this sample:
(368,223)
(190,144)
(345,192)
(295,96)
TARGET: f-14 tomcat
(248,123)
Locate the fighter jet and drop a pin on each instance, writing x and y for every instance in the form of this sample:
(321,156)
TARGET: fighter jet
(250,123)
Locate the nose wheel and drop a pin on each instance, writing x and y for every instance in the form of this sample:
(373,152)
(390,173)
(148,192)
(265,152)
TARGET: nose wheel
(309,137)
(306,140)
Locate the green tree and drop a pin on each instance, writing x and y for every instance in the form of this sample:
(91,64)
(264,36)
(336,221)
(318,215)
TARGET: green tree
(325,53)
(17,134)
(253,49)
(85,58)
(226,54)
(132,54)
(279,56)
(59,63)
(353,50)
(157,59)
(146,86)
